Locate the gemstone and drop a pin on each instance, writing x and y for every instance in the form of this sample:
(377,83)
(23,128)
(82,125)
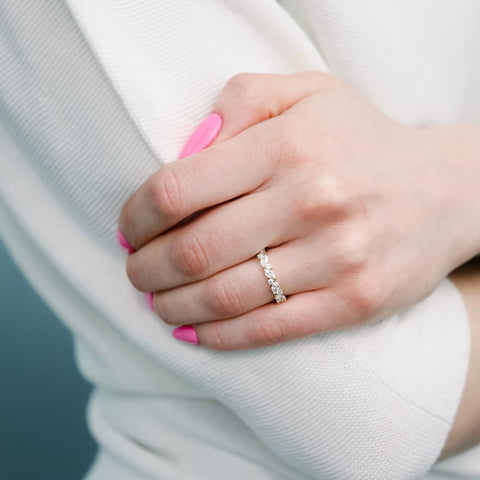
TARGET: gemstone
(277,290)
(264,262)
(280,298)
(269,273)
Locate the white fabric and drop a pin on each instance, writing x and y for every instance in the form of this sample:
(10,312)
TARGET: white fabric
(98,94)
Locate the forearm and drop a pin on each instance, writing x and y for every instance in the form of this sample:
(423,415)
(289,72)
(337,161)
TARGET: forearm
(458,148)
(465,432)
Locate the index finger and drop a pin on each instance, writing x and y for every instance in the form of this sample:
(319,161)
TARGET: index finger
(207,178)
(246,101)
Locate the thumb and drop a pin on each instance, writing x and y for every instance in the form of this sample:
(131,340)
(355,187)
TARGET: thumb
(250,98)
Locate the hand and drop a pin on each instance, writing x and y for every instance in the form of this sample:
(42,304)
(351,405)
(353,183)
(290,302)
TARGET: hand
(360,216)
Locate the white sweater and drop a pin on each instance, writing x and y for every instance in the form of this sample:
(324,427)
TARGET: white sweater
(98,94)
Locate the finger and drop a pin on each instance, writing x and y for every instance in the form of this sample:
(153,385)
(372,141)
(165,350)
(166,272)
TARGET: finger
(250,98)
(207,178)
(301,315)
(241,288)
(218,239)
(234,164)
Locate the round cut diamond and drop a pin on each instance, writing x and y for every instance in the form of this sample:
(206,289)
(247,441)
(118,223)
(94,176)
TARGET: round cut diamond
(276,289)
(272,279)
(262,254)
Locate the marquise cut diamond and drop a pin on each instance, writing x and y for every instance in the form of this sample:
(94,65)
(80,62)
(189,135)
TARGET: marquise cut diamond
(272,279)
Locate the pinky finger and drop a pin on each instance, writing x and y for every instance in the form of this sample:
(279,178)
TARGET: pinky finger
(301,315)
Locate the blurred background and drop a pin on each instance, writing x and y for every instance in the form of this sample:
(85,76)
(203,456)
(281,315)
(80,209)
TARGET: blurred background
(43,432)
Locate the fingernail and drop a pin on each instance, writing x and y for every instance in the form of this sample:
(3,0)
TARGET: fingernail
(203,136)
(123,243)
(186,333)
(149,299)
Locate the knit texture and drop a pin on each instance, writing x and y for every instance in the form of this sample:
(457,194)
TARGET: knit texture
(96,95)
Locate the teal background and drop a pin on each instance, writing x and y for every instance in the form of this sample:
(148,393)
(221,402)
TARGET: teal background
(43,432)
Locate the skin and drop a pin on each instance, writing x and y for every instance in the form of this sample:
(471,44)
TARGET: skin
(361,217)
(465,432)
(340,194)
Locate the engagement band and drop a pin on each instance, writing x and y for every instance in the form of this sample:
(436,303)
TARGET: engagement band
(272,279)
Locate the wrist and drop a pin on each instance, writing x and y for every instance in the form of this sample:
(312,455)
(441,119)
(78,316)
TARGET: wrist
(465,432)
(454,155)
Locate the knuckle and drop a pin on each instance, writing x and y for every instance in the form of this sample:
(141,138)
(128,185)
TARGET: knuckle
(308,205)
(267,331)
(216,335)
(190,257)
(134,272)
(222,298)
(248,90)
(351,251)
(334,194)
(166,195)
(366,295)
(325,197)
(246,85)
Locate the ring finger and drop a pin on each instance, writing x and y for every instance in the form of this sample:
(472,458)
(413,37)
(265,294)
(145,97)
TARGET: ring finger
(219,238)
(241,288)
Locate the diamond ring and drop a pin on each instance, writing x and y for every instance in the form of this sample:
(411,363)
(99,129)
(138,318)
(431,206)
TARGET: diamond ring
(272,279)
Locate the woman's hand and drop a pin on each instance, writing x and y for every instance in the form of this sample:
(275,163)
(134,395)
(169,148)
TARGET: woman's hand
(360,215)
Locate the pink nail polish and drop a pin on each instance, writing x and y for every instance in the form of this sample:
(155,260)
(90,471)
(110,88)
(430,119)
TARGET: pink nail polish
(203,136)
(186,333)
(123,243)
(149,299)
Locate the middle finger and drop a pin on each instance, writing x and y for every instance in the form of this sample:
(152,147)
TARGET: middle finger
(220,238)
(243,287)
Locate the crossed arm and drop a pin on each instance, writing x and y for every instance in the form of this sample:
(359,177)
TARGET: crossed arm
(358,197)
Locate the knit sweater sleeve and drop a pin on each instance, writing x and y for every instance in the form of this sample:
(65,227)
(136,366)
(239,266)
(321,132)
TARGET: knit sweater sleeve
(83,128)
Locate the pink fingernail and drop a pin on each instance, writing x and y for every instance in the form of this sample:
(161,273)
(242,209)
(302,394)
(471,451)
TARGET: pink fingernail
(149,298)
(186,333)
(123,243)
(203,136)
